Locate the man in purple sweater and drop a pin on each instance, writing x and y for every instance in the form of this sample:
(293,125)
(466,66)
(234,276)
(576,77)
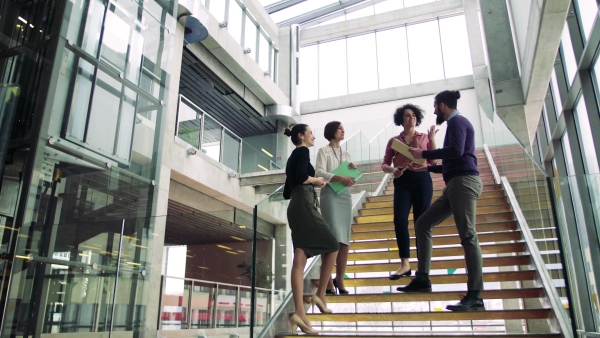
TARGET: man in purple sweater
(459,199)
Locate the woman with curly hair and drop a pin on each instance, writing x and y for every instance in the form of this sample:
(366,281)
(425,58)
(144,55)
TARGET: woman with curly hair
(412,188)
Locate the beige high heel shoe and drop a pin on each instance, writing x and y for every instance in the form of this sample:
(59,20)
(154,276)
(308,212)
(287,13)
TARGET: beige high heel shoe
(319,303)
(296,322)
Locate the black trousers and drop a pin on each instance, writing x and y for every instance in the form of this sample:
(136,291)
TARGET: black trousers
(411,189)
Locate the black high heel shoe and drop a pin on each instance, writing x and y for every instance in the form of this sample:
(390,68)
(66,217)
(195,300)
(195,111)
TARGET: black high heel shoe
(330,291)
(396,276)
(340,291)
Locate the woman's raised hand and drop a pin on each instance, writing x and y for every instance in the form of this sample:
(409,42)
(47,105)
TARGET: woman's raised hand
(431,133)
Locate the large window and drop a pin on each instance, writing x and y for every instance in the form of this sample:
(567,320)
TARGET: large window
(392,58)
(413,53)
(587,11)
(584,131)
(569,60)
(233,16)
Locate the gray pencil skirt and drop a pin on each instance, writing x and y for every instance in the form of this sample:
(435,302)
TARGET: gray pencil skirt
(337,213)
(309,231)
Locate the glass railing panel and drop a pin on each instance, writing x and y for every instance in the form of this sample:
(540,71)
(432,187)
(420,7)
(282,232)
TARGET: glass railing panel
(201,305)
(269,259)
(211,138)
(188,125)
(231,150)
(530,185)
(254,160)
(175,304)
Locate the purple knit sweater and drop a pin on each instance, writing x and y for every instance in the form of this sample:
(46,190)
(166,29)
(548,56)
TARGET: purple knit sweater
(458,153)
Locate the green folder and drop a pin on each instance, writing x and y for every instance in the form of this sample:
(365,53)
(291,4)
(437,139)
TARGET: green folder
(343,170)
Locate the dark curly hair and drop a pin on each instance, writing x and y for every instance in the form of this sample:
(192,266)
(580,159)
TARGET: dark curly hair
(399,114)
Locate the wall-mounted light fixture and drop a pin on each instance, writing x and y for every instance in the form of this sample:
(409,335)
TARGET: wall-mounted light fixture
(191,150)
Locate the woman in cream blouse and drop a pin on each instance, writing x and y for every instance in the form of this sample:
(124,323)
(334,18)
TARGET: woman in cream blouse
(336,209)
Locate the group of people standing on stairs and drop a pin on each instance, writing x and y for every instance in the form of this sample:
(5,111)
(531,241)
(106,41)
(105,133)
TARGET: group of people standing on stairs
(328,233)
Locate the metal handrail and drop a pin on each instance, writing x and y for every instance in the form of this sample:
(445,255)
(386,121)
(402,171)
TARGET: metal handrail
(381,131)
(381,185)
(490,160)
(220,283)
(538,262)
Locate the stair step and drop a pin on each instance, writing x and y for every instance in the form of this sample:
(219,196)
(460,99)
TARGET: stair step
(508,276)
(390,211)
(419,334)
(439,252)
(520,260)
(437,241)
(386,230)
(431,316)
(480,202)
(491,217)
(438,192)
(433,296)
(485,194)
(439,186)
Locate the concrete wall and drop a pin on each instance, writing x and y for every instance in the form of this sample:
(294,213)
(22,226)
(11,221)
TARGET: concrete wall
(520,18)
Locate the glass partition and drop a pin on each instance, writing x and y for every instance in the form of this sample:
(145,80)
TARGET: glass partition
(529,182)
(198,129)
(91,276)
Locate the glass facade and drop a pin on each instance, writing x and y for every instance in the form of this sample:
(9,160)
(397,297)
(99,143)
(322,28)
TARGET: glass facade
(84,228)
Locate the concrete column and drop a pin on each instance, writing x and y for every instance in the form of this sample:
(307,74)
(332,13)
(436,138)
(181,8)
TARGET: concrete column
(481,80)
(163,184)
(503,68)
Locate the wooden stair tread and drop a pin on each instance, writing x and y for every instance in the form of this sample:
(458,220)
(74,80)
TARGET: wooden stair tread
(433,296)
(430,316)
(438,252)
(520,260)
(386,230)
(390,211)
(485,194)
(420,334)
(505,276)
(480,218)
(445,240)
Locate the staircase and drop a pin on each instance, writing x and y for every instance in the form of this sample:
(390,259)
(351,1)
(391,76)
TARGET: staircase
(375,308)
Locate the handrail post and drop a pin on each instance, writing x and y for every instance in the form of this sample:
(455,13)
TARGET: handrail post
(214,309)
(236,309)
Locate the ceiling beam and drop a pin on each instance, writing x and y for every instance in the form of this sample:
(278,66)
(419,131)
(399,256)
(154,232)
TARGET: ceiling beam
(319,12)
(281,5)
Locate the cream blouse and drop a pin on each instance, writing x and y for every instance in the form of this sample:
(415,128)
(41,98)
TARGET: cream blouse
(328,161)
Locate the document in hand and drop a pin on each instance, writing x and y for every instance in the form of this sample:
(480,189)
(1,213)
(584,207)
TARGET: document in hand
(404,151)
(343,170)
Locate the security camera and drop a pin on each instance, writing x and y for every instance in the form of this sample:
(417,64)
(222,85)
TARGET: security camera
(191,151)
(232,174)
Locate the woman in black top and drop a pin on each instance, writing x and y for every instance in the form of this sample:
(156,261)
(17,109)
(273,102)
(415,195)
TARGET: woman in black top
(310,234)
